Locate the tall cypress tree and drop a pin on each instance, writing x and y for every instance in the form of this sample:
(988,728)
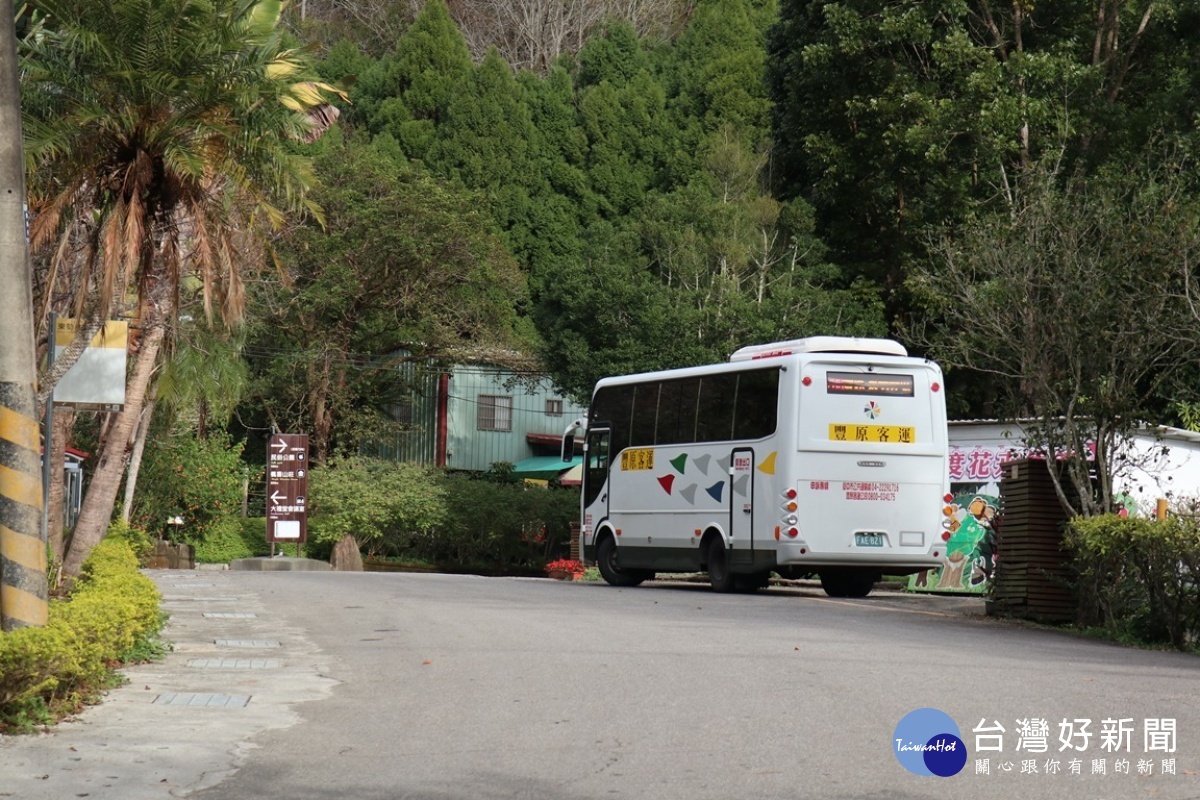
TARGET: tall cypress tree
(407,94)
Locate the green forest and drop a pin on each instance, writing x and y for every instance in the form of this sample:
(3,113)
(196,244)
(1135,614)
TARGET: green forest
(597,187)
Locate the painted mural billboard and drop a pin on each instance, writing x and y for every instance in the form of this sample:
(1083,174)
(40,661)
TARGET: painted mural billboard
(970,558)
(1155,463)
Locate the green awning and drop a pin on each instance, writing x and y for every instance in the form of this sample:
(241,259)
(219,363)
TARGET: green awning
(544,467)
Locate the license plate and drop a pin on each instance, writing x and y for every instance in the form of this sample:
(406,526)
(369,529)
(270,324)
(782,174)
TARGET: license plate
(868,540)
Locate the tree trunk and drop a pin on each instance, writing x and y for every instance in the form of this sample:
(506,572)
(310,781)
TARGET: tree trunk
(97,509)
(135,460)
(64,423)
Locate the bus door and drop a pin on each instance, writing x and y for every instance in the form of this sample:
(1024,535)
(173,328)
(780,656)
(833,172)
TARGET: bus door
(596,459)
(741,499)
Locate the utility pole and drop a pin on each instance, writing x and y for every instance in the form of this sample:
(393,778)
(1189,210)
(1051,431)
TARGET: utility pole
(23,588)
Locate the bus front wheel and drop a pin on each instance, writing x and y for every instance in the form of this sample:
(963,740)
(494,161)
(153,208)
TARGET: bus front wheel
(606,560)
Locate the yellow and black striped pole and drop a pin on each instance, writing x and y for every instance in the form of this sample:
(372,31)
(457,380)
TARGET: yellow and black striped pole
(23,590)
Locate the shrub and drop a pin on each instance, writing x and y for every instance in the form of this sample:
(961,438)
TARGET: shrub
(1139,577)
(423,514)
(138,539)
(232,538)
(111,615)
(499,524)
(198,479)
(373,500)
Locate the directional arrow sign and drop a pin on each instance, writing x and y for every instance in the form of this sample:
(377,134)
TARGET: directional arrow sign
(287,487)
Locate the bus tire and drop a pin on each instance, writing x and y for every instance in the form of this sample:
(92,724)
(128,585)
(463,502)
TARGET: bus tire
(606,560)
(847,583)
(719,574)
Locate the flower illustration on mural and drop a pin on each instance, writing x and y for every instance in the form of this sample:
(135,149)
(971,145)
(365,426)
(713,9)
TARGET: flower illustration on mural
(872,410)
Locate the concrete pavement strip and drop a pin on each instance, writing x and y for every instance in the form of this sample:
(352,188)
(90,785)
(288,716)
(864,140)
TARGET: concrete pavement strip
(186,722)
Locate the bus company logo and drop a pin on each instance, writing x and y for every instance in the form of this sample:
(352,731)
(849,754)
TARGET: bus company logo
(872,410)
(928,742)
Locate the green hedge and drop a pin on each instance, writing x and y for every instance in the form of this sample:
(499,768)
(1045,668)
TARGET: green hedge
(1139,578)
(112,617)
(232,538)
(491,523)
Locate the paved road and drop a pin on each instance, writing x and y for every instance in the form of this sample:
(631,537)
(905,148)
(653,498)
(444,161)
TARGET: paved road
(439,688)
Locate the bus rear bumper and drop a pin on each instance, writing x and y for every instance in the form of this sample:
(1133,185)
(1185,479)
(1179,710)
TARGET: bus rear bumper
(790,555)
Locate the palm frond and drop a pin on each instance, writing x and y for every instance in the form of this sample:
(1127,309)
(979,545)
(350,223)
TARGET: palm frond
(148,121)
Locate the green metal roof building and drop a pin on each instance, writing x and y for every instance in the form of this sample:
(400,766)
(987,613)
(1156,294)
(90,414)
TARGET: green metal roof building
(470,416)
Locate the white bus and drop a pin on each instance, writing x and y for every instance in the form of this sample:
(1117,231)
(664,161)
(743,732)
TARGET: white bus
(824,456)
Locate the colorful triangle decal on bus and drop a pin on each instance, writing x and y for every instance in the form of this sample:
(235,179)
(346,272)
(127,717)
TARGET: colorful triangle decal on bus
(715,491)
(666,481)
(689,493)
(702,462)
(679,462)
(767,467)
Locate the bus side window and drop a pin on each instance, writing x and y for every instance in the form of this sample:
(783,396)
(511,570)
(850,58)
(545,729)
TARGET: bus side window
(677,411)
(645,411)
(714,413)
(614,406)
(757,404)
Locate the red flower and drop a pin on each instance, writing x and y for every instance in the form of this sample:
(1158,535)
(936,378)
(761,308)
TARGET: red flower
(566,565)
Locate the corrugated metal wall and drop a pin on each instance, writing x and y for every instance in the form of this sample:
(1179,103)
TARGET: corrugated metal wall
(468,447)
(418,410)
(522,411)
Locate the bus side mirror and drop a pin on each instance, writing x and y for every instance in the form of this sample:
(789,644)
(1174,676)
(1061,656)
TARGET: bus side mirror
(568,451)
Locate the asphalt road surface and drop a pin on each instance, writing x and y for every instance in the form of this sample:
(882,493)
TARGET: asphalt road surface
(434,687)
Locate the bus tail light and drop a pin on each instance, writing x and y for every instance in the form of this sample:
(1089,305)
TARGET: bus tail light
(793,532)
(945,536)
(791,506)
(948,499)
(790,494)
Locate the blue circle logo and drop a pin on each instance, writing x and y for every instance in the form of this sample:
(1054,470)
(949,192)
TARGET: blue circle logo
(928,742)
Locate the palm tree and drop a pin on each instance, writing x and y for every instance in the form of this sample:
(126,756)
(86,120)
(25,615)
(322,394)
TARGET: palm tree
(202,380)
(158,147)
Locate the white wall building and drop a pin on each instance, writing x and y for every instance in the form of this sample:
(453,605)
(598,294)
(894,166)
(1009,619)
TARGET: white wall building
(1159,462)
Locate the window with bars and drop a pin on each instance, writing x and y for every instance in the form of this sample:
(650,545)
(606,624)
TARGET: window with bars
(554,408)
(494,412)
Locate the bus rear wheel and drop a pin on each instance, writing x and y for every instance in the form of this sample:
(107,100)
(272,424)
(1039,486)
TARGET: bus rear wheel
(719,574)
(606,560)
(848,583)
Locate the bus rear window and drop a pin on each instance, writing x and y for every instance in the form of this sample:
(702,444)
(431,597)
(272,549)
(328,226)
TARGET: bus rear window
(869,383)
